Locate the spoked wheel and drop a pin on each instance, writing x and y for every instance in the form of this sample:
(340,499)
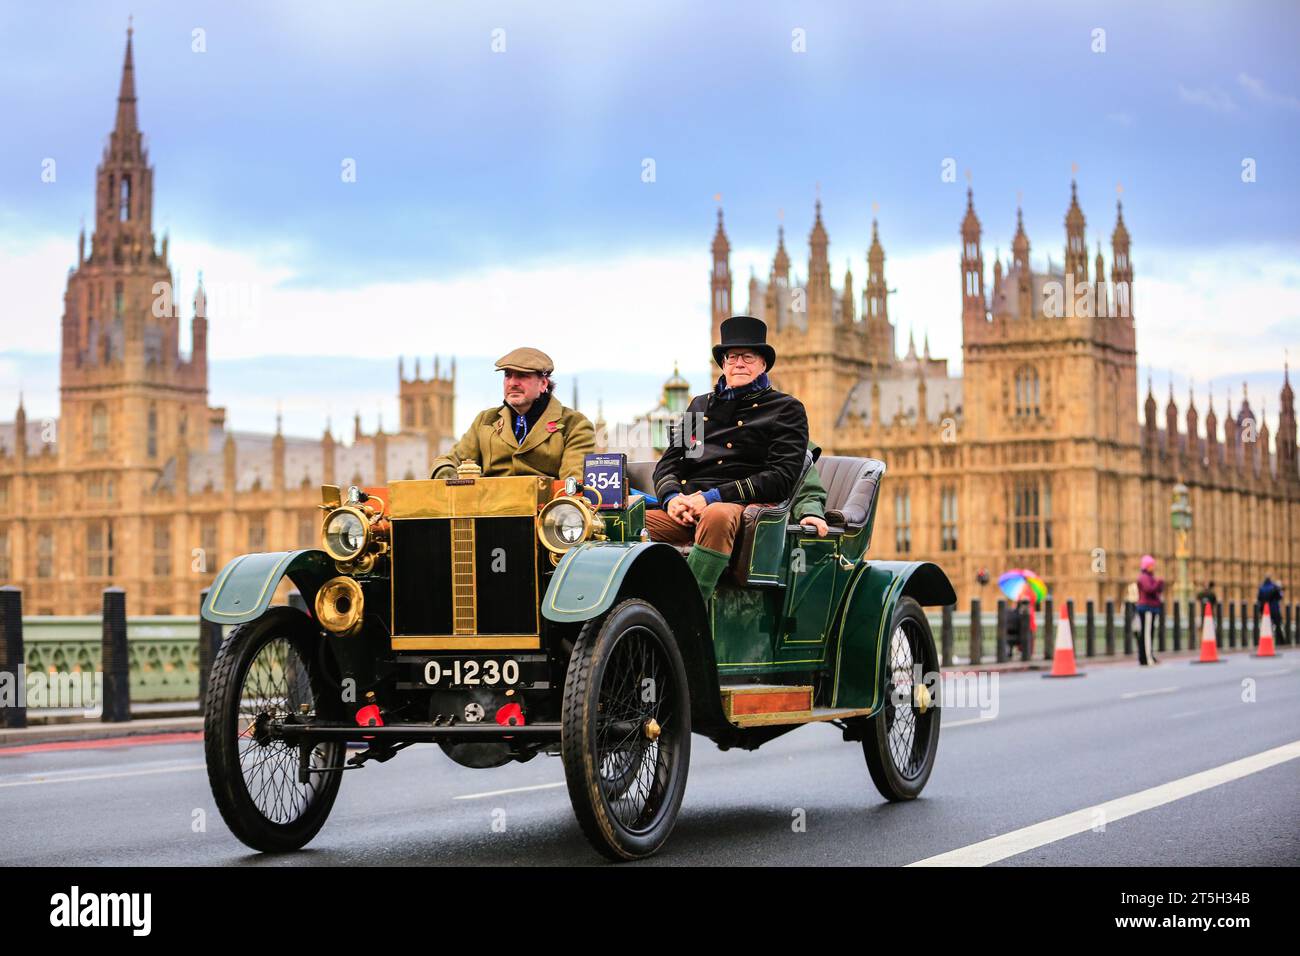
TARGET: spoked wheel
(903,738)
(626,731)
(269,669)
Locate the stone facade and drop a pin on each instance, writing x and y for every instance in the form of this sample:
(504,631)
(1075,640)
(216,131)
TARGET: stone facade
(139,483)
(1035,457)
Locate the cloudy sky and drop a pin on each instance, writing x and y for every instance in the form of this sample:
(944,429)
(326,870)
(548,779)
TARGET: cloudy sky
(501,151)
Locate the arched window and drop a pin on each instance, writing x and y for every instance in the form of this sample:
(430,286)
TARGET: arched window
(152,440)
(124,207)
(99,428)
(1027,392)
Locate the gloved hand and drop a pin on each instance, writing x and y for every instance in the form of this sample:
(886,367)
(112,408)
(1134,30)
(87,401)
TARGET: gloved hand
(444,471)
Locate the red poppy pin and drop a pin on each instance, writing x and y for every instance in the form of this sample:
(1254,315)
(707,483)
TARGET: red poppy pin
(551,426)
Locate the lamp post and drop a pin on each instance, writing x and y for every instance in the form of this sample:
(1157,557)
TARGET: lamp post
(1180,519)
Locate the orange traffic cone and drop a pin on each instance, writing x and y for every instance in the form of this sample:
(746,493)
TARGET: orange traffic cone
(1266,636)
(1209,643)
(1063,656)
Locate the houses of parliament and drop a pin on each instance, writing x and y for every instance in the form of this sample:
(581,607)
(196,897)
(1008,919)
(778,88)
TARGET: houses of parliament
(139,483)
(1036,456)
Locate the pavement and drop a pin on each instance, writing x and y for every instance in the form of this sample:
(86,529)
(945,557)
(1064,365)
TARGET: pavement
(1178,764)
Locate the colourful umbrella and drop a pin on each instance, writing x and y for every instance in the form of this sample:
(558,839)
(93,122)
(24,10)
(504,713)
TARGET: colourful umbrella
(1021,584)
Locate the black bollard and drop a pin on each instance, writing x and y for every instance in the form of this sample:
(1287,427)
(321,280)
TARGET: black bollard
(1128,628)
(945,631)
(1022,618)
(1069,616)
(1110,628)
(11,655)
(1004,628)
(1178,626)
(1049,631)
(1160,642)
(1217,611)
(976,631)
(115,658)
(1254,627)
(1090,629)
(1232,624)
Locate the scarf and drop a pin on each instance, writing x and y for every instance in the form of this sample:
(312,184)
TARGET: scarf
(731,394)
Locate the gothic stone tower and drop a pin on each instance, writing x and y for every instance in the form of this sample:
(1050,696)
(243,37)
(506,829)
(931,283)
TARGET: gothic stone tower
(121,366)
(824,346)
(428,404)
(1051,424)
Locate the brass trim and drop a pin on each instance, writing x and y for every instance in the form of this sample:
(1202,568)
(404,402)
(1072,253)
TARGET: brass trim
(343,623)
(812,717)
(464,581)
(589,521)
(506,497)
(508,642)
(365,524)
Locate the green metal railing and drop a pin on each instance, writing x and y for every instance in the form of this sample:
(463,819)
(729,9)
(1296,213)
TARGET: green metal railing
(163,652)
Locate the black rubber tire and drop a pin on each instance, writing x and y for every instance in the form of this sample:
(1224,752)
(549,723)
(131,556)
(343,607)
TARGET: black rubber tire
(602,802)
(223,742)
(895,782)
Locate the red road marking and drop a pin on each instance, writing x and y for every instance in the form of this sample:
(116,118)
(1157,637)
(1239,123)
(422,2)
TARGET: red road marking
(142,739)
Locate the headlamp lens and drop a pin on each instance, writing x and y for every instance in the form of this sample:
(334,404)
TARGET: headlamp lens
(345,535)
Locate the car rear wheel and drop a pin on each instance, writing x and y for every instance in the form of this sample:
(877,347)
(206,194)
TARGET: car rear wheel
(626,731)
(903,738)
(269,669)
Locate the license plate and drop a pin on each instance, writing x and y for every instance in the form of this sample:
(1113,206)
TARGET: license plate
(472,672)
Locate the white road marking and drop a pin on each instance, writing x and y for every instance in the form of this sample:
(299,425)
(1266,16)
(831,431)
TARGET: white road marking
(1144,693)
(102,776)
(963,723)
(1049,831)
(105,768)
(497,793)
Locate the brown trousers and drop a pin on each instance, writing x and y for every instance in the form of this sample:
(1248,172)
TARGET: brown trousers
(715,529)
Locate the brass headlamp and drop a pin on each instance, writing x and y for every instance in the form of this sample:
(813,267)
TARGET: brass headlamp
(350,532)
(568,520)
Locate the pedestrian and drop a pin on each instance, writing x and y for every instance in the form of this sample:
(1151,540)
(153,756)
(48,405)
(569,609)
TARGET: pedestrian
(1270,593)
(1207,596)
(1150,608)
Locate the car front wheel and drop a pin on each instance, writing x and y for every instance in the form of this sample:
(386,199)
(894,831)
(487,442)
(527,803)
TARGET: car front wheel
(626,731)
(265,670)
(902,739)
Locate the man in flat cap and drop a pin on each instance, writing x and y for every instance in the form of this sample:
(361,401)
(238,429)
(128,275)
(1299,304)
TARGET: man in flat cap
(742,443)
(530,433)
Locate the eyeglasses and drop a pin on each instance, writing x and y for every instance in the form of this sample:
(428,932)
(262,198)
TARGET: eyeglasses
(748,358)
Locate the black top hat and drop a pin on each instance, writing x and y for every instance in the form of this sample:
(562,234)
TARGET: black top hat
(744,331)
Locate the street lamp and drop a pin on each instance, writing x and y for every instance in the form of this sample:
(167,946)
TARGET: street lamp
(1180,519)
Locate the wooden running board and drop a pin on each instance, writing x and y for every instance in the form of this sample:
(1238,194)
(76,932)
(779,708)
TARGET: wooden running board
(757,705)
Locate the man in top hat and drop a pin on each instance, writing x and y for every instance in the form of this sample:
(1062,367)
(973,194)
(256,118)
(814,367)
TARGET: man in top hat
(530,433)
(742,443)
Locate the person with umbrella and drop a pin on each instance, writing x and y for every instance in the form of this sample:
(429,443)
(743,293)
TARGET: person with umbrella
(1021,584)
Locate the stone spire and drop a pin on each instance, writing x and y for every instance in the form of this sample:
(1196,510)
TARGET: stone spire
(1076,248)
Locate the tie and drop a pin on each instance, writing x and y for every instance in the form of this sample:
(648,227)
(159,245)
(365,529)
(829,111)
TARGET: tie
(521,428)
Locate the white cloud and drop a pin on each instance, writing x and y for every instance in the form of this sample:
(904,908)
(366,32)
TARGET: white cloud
(1213,99)
(1258,89)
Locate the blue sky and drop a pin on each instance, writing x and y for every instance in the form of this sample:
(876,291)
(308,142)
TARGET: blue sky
(492,186)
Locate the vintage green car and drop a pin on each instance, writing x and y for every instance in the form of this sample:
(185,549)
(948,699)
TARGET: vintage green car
(506,617)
